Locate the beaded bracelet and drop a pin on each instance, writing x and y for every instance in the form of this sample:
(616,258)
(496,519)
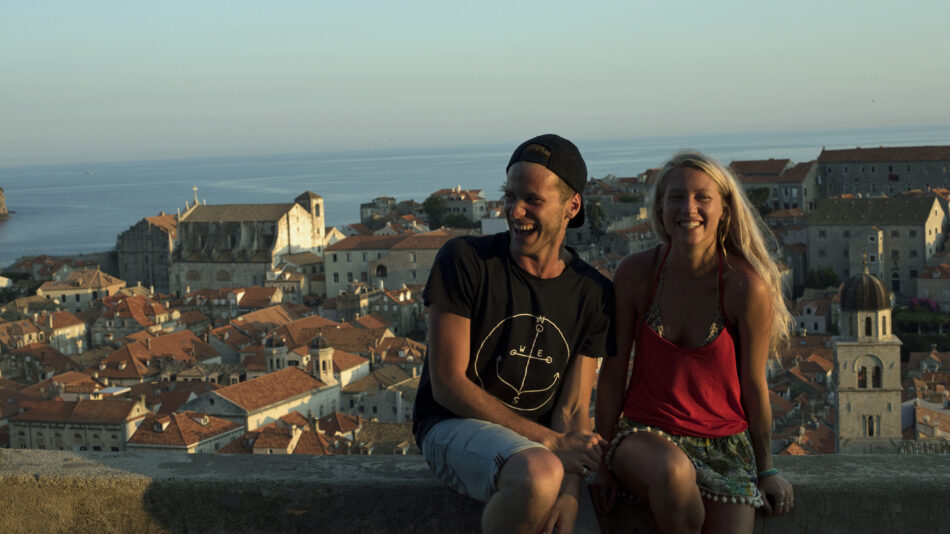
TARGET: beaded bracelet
(768,472)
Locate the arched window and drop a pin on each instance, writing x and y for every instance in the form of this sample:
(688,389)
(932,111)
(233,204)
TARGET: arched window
(223,276)
(867,326)
(863,377)
(876,377)
(193,275)
(381,271)
(883,325)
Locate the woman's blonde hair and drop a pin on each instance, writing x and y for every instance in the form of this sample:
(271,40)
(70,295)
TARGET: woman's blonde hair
(741,230)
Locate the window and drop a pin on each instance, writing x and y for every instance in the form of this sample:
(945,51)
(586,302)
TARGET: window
(884,325)
(895,254)
(364,256)
(412,257)
(895,233)
(876,377)
(872,238)
(336,278)
(867,326)
(863,378)
(872,258)
(822,233)
(870,426)
(347,257)
(913,273)
(77,298)
(334,258)
(413,274)
(349,277)
(846,233)
(912,253)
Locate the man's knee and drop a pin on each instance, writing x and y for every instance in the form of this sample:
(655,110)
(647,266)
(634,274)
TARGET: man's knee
(534,472)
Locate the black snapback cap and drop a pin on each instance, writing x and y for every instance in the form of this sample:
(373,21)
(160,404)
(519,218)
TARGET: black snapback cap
(565,161)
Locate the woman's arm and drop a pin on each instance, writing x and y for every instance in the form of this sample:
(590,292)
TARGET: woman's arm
(754,318)
(612,382)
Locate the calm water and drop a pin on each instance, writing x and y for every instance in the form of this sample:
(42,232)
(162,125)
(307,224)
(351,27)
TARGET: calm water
(67,209)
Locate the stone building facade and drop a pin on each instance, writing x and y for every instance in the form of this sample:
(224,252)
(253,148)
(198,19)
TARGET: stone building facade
(897,235)
(84,425)
(392,260)
(234,245)
(789,185)
(883,170)
(144,251)
(867,370)
(80,289)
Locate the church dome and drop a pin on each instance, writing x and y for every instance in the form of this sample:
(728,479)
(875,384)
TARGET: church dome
(274,341)
(320,342)
(864,292)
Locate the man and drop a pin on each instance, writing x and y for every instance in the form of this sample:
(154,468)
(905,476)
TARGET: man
(517,321)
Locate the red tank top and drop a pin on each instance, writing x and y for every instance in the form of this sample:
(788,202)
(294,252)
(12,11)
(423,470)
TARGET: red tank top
(686,391)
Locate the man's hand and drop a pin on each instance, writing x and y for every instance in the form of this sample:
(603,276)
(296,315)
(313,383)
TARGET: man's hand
(580,451)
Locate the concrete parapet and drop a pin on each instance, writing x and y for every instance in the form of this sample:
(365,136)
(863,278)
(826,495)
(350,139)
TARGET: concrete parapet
(55,491)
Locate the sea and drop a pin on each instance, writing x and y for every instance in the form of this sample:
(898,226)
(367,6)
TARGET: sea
(82,208)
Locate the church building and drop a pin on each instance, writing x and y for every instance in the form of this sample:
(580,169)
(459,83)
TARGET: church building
(234,245)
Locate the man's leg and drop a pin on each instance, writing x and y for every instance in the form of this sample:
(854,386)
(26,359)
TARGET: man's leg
(518,478)
(528,484)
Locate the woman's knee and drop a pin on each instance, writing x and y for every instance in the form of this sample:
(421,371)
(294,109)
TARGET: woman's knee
(654,463)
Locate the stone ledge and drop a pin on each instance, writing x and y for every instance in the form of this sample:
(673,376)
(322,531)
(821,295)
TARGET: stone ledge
(54,491)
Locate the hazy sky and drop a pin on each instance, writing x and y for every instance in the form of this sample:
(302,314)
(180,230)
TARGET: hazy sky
(94,81)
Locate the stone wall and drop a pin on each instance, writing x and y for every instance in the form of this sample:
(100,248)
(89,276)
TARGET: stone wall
(52,491)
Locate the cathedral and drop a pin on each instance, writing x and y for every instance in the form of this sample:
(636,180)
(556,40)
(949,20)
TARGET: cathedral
(867,370)
(234,245)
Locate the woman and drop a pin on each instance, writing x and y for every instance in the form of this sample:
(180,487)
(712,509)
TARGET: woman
(704,308)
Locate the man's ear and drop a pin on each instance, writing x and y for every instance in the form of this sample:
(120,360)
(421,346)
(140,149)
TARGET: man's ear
(573,206)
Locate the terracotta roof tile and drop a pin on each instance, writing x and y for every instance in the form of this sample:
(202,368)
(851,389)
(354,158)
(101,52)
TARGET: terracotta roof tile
(180,429)
(270,389)
(82,411)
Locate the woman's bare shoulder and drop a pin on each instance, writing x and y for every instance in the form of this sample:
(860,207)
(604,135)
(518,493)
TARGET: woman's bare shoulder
(636,265)
(742,284)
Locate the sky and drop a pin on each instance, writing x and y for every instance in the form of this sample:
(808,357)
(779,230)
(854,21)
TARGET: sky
(116,80)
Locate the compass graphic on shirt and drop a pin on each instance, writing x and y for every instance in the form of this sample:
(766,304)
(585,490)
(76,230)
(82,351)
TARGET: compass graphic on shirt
(521,361)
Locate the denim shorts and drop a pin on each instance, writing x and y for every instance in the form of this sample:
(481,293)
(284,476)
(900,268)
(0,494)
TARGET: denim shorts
(467,454)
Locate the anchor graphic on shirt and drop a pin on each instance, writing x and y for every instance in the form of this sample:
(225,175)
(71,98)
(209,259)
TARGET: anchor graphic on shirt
(527,396)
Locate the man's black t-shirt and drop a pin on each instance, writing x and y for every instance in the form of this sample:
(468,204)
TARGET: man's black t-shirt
(525,330)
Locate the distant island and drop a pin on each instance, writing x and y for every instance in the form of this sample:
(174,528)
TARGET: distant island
(4,214)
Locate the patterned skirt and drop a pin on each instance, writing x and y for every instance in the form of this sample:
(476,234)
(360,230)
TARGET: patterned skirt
(725,467)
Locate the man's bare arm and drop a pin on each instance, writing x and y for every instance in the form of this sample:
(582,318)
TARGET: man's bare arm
(449,354)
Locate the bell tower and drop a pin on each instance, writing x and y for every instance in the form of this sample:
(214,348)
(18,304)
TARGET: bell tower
(867,369)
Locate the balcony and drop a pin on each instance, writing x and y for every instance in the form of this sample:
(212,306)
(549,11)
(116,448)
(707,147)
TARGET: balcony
(54,491)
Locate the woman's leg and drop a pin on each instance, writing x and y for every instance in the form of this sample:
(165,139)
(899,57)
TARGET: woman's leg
(728,518)
(651,467)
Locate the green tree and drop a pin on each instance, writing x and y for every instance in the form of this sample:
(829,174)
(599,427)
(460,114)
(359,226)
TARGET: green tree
(594,212)
(822,278)
(455,220)
(759,197)
(434,206)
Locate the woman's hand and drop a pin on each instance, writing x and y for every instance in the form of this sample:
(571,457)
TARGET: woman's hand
(603,489)
(562,515)
(781,493)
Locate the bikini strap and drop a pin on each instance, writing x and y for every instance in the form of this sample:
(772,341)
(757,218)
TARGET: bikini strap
(656,279)
(642,320)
